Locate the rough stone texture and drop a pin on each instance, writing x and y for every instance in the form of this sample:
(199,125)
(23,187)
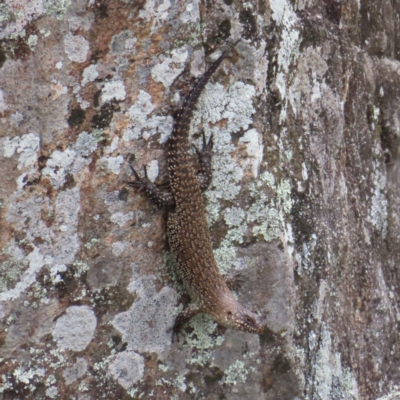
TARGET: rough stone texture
(305,199)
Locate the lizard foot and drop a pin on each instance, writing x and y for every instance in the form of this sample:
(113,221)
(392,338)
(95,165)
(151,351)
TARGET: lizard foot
(183,317)
(159,197)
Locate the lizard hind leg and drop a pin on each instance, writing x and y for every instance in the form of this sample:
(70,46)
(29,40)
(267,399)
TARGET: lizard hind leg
(205,155)
(184,317)
(158,196)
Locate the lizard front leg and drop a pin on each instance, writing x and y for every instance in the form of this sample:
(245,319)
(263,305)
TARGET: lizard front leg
(158,196)
(205,154)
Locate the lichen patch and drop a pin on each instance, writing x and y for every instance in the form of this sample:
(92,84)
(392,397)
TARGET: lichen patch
(75,329)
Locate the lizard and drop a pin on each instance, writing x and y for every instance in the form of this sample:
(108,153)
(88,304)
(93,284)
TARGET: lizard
(187,228)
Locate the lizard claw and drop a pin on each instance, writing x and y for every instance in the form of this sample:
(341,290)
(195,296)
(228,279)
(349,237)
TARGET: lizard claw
(139,182)
(145,171)
(175,334)
(210,143)
(198,152)
(207,146)
(134,172)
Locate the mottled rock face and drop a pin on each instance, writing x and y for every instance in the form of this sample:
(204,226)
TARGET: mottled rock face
(304,200)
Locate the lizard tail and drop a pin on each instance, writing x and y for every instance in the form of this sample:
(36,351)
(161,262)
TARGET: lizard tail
(180,132)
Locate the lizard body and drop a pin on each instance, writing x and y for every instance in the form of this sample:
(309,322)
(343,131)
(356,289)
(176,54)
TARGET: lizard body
(187,227)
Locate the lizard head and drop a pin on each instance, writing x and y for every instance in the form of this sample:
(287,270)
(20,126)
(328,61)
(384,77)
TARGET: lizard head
(234,315)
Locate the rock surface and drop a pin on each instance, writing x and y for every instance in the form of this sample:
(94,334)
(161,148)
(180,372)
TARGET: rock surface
(304,203)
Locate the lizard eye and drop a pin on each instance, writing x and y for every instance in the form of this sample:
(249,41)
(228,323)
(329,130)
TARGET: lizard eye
(249,320)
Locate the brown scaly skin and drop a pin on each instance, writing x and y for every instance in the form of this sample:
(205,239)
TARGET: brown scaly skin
(188,232)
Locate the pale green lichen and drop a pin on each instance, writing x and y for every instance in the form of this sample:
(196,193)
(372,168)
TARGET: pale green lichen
(331,380)
(134,393)
(11,272)
(98,134)
(29,375)
(192,388)
(5,385)
(162,367)
(82,296)
(379,204)
(236,234)
(42,360)
(73,160)
(236,372)
(304,258)
(87,143)
(6,14)
(268,178)
(39,292)
(201,340)
(234,216)
(284,196)
(393,395)
(80,268)
(56,8)
(225,256)
(375,116)
(105,362)
(288,154)
(45,32)
(50,380)
(180,383)
(269,214)
(167,71)
(163,381)
(143,125)
(289,49)
(93,242)
(32,41)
